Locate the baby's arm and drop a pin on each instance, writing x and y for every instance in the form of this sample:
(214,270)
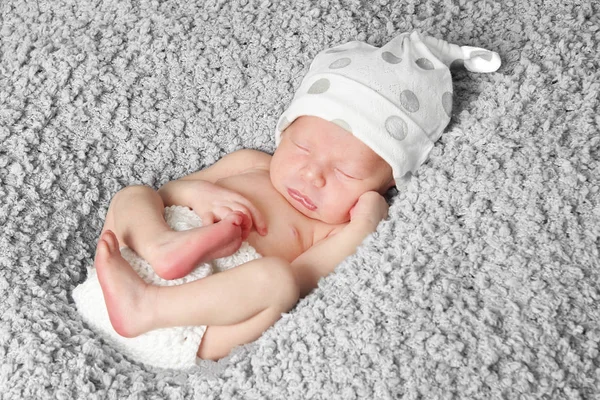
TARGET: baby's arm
(231,164)
(211,202)
(321,259)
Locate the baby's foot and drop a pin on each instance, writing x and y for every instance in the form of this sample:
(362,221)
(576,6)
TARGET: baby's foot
(128,298)
(178,253)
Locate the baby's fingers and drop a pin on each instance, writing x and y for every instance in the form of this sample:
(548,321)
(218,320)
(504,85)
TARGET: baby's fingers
(245,222)
(246,225)
(260,222)
(241,219)
(240,203)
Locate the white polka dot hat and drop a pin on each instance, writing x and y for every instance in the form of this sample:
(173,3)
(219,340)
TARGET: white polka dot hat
(397,99)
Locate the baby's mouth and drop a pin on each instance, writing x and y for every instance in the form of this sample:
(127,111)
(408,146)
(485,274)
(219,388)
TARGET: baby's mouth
(300,198)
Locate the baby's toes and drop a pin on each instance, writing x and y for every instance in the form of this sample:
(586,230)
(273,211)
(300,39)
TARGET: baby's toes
(235,218)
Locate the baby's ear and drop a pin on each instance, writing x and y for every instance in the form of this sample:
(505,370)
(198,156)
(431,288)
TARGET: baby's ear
(391,184)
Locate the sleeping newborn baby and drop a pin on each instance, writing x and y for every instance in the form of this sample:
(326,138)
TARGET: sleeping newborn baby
(363,120)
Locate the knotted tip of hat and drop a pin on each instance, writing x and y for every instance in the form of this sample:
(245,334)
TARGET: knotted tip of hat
(474,59)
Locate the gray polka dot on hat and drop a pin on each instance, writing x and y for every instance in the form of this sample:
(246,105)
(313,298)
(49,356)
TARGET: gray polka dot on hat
(342,124)
(409,101)
(396,127)
(333,51)
(341,63)
(447,103)
(424,63)
(390,58)
(319,86)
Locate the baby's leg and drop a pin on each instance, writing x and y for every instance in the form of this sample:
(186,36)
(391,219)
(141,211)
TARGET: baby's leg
(237,305)
(136,216)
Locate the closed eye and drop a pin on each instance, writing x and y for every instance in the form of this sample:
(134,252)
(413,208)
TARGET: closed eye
(302,148)
(345,175)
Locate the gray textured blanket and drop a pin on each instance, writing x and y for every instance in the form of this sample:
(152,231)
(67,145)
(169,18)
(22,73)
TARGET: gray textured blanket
(484,282)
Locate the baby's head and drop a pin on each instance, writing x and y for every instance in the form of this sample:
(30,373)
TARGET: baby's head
(380,109)
(322,169)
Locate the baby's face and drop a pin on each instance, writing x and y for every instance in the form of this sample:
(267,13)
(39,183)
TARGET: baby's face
(322,170)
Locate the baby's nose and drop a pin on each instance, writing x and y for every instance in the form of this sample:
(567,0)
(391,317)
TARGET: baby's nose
(313,175)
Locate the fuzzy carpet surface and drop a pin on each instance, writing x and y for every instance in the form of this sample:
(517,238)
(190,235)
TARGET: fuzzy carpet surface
(483,283)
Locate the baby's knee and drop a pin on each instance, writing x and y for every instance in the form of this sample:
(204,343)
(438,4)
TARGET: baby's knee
(278,279)
(128,193)
(133,190)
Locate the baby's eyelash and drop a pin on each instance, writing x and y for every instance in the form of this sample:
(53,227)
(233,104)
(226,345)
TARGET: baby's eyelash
(301,147)
(345,174)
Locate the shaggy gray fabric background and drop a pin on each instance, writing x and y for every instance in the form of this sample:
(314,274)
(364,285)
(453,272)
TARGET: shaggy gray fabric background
(484,282)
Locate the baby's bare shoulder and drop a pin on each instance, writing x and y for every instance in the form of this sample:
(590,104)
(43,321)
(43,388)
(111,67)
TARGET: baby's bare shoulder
(236,163)
(247,159)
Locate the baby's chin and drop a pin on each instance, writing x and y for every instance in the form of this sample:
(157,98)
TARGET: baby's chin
(329,218)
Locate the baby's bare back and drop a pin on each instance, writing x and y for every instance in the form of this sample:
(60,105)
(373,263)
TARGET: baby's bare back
(290,232)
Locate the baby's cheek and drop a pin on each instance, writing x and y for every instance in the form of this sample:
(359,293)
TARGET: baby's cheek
(342,211)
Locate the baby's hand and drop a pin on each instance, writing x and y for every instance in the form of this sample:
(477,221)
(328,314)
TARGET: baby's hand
(371,207)
(214,203)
